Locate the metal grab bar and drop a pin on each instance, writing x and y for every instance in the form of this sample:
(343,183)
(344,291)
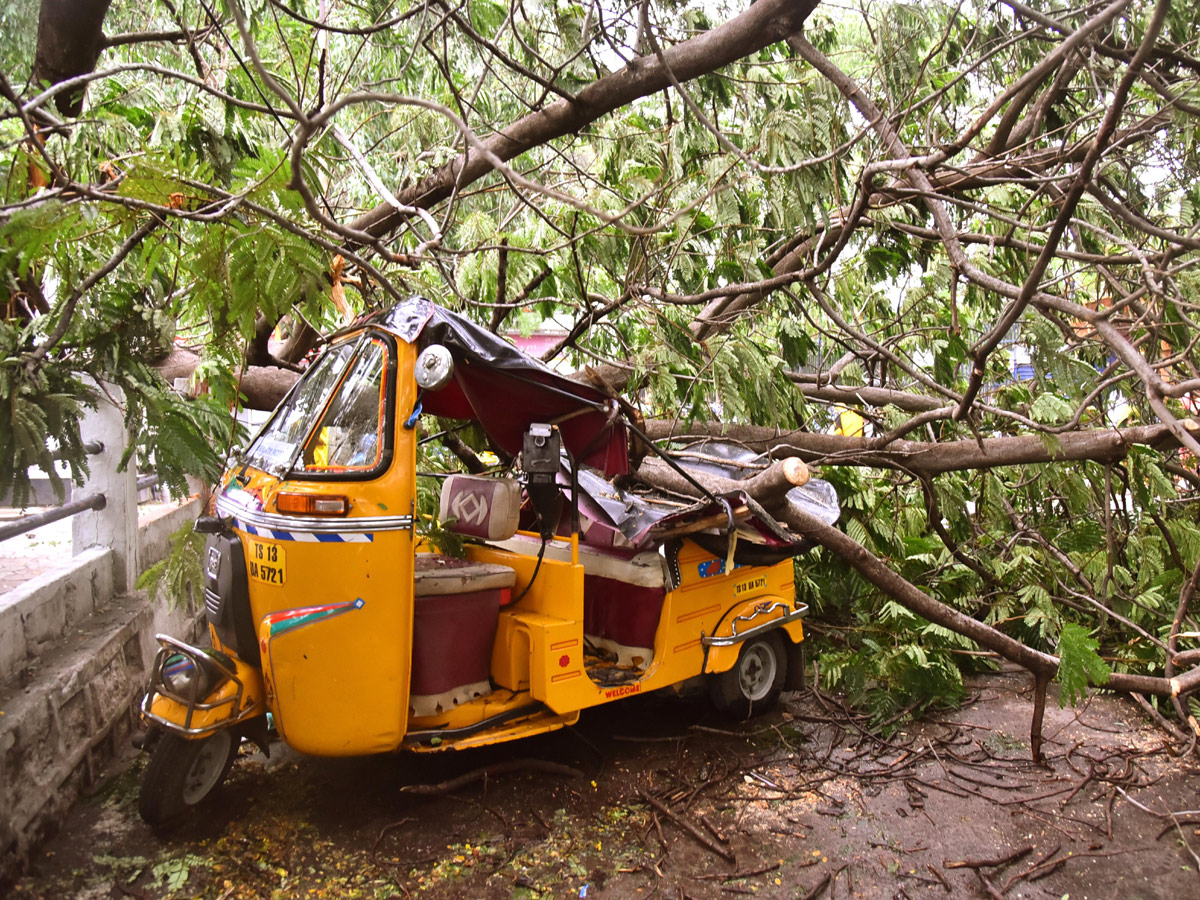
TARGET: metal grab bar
(91,448)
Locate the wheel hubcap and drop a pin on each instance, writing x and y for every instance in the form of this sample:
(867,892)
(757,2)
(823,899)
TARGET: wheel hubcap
(756,673)
(207,767)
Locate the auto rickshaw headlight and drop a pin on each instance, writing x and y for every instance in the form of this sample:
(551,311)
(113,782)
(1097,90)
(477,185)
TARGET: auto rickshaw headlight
(434,368)
(193,676)
(182,676)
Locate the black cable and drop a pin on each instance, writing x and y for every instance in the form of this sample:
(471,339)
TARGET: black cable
(536,569)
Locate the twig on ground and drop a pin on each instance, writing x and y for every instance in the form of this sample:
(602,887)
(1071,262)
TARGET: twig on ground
(1174,824)
(386,828)
(989,887)
(734,876)
(658,830)
(1183,839)
(688,827)
(987,863)
(1159,719)
(713,829)
(482,774)
(939,876)
(1046,857)
(819,888)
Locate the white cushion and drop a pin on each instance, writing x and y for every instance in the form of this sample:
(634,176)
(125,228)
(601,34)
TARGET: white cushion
(488,508)
(646,569)
(435,574)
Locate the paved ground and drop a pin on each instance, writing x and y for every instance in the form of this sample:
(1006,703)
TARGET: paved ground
(45,549)
(28,555)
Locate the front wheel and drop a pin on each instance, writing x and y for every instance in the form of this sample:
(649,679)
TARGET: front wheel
(754,682)
(181,773)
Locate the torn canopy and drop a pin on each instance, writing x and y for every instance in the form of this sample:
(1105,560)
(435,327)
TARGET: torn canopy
(505,390)
(611,514)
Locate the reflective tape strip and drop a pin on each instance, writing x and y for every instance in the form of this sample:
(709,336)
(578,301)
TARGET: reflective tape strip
(305,536)
(360,529)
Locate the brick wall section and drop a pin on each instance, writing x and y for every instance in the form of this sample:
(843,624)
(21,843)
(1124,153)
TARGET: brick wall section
(77,662)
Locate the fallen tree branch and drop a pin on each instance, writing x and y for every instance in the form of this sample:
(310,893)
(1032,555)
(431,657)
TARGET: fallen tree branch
(1043,666)
(768,487)
(925,458)
(761,25)
(1019,853)
(261,386)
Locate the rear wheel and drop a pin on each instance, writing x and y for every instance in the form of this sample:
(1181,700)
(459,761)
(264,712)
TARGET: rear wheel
(181,773)
(753,684)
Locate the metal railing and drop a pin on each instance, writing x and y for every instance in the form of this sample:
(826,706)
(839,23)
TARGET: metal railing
(54,514)
(94,501)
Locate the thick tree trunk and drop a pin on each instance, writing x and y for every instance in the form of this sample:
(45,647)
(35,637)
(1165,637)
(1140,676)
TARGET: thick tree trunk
(69,40)
(764,23)
(768,486)
(261,386)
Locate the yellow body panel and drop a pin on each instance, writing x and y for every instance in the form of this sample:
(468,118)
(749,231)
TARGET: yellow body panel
(336,635)
(510,732)
(750,614)
(539,639)
(498,702)
(705,603)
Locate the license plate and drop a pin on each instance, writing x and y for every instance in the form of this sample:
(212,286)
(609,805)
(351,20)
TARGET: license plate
(267,562)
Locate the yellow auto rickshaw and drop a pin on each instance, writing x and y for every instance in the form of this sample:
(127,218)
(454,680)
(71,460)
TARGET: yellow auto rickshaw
(329,613)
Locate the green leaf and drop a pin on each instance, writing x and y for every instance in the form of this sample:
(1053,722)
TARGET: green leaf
(1078,663)
(1049,408)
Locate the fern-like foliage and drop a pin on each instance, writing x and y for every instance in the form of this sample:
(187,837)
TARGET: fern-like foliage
(1078,663)
(42,408)
(180,575)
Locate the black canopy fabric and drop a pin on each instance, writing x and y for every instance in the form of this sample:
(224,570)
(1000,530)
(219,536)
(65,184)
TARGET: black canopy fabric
(506,390)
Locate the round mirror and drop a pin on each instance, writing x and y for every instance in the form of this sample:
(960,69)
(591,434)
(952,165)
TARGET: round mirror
(435,367)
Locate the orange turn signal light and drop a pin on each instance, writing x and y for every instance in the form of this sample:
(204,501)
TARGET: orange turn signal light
(312,504)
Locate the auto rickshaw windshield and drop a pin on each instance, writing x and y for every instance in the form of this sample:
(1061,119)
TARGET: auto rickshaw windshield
(333,419)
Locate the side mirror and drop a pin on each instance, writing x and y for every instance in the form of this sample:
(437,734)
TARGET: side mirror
(212,524)
(434,369)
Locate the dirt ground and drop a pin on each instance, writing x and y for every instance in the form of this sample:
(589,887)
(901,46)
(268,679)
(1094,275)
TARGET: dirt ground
(673,802)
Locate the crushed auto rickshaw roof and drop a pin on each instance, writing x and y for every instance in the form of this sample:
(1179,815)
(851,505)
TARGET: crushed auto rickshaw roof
(505,390)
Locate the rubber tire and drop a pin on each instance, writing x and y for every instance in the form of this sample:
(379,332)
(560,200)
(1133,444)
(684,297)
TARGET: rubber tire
(164,799)
(749,687)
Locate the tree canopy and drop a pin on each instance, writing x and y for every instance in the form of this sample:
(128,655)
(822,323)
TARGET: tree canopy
(944,251)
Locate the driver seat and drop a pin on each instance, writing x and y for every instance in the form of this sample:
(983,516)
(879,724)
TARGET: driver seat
(456,602)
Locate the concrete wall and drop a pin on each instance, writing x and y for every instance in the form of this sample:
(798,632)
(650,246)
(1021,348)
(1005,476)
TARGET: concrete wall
(48,608)
(74,660)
